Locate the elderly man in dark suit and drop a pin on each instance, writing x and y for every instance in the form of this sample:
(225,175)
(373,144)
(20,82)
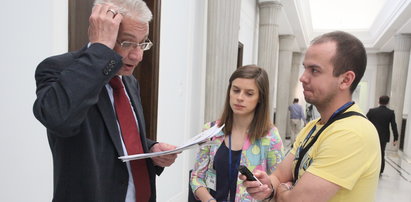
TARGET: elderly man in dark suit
(381,117)
(90,104)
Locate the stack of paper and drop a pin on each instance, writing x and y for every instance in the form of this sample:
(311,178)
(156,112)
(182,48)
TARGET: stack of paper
(195,141)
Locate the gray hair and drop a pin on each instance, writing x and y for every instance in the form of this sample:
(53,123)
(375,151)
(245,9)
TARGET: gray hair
(136,9)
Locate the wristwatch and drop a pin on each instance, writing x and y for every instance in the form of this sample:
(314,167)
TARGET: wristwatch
(271,195)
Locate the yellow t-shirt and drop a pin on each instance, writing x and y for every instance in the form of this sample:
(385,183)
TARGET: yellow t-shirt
(347,153)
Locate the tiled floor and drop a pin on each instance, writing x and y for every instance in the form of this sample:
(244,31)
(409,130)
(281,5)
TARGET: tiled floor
(395,182)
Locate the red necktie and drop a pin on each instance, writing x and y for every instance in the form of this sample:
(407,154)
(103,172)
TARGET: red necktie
(131,138)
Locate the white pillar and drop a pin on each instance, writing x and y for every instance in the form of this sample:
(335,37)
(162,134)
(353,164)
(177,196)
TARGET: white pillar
(295,75)
(399,76)
(284,75)
(268,43)
(407,138)
(294,81)
(222,46)
(383,70)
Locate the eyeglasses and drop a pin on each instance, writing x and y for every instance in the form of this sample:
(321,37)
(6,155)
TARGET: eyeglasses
(128,45)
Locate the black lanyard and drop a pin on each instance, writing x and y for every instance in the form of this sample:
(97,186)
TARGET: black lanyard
(303,148)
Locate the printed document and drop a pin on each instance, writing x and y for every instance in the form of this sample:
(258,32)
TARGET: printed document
(193,142)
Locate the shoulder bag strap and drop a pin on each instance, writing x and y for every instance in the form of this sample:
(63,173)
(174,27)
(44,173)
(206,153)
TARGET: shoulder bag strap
(302,153)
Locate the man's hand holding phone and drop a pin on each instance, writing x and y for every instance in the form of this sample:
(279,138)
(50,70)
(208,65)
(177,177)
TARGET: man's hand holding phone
(261,187)
(248,174)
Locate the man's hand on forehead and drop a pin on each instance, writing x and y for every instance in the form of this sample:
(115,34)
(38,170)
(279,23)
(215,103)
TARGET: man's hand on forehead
(104,24)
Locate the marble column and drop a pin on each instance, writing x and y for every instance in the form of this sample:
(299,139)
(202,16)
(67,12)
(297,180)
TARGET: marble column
(283,86)
(223,24)
(383,70)
(268,43)
(407,138)
(295,75)
(294,81)
(399,76)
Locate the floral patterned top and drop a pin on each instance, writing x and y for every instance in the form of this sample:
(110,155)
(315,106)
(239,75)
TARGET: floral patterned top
(264,154)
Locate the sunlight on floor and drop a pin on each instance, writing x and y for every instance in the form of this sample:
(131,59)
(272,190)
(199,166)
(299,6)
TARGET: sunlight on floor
(395,182)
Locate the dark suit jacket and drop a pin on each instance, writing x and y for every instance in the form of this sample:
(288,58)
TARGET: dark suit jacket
(381,117)
(73,104)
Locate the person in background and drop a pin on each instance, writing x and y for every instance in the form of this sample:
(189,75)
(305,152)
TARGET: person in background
(309,112)
(382,117)
(248,139)
(90,104)
(336,157)
(296,116)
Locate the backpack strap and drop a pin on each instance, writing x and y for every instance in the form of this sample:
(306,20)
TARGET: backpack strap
(303,151)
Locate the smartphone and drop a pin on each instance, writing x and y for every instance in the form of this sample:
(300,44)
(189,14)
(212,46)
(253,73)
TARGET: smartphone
(250,177)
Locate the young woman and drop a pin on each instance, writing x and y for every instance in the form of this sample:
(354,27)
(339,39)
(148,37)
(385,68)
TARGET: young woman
(248,138)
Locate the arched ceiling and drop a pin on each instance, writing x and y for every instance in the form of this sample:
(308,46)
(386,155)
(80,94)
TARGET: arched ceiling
(374,22)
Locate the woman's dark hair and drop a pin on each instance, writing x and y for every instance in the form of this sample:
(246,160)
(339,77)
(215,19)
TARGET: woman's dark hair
(261,123)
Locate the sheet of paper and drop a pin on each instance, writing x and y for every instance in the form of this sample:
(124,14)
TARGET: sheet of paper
(193,142)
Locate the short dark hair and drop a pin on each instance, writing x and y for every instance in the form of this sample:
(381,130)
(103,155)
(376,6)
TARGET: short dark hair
(384,100)
(295,100)
(350,54)
(261,123)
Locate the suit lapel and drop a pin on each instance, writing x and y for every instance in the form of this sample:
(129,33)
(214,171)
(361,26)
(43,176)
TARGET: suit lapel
(107,111)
